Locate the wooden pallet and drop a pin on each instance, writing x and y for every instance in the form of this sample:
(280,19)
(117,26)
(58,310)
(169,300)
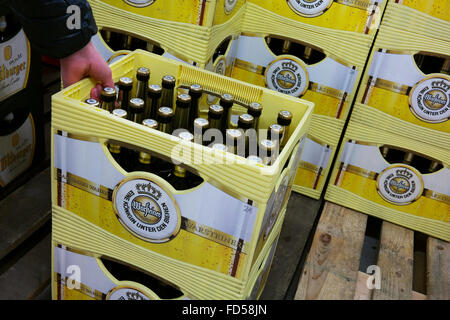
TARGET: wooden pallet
(412,266)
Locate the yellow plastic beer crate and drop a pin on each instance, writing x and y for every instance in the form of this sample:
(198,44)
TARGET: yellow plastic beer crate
(326,16)
(395,92)
(80,274)
(430,19)
(218,227)
(193,29)
(396,189)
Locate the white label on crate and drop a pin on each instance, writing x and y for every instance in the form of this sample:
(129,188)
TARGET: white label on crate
(397,68)
(316,154)
(147,209)
(91,274)
(230,5)
(309,8)
(400,184)
(369,158)
(211,210)
(429,99)
(14,65)
(16,151)
(125,293)
(287,75)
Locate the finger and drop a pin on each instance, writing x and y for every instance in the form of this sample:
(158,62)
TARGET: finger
(96,92)
(101,72)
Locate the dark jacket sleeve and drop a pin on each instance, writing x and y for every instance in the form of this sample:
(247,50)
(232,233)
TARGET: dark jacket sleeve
(45,23)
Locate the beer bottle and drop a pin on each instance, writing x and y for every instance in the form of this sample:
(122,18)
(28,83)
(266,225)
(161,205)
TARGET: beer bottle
(164,117)
(226,101)
(384,151)
(275,132)
(215,115)
(181,118)
(307,53)
(245,123)
(136,106)
(108,97)
(154,92)
(115,149)
(195,91)
(179,178)
(408,158)
(267,149)
(434,166)
(168,85)
(255,110)
(200,126)
(235,140)
(142,76)
(145,160)
(284,119)
(125,86)
(446,67)
(286,47)
(92,102)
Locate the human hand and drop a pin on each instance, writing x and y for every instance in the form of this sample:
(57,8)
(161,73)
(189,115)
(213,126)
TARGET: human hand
(87,62)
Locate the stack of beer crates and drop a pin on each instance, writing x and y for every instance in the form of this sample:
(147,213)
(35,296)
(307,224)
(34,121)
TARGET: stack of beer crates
(315,50)
(21,111)
(122,232)
(395,156)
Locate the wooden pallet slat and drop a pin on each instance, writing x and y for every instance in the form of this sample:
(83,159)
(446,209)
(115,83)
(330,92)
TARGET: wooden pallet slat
(331,268)
(438,269)
(395,261)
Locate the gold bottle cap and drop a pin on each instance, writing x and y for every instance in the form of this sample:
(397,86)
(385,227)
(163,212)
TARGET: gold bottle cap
(168,82)
(201,123)
(154,90)
(226,100)
(150,123)
(255,109)
(220,146)
(234,135)
(109,92)
(92,102)
(186,136)
(165,114)
(245,121)
(137,104)
(254,158)
(276,131)
(120,113)
(268,145)
(284,118)
(195,91)
(125,82)
(143,74)
(183,100)
(216,109)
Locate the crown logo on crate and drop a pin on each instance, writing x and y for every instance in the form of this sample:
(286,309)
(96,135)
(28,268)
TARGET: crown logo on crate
(290,66)
(148,189)
(440,85)
(405,173)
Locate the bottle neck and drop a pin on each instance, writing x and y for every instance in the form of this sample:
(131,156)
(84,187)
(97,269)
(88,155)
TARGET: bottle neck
(145,158)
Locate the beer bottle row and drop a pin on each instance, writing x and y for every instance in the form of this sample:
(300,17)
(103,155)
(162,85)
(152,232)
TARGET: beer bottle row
(152,106)
(120,41)
(423,164)
(308,54)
